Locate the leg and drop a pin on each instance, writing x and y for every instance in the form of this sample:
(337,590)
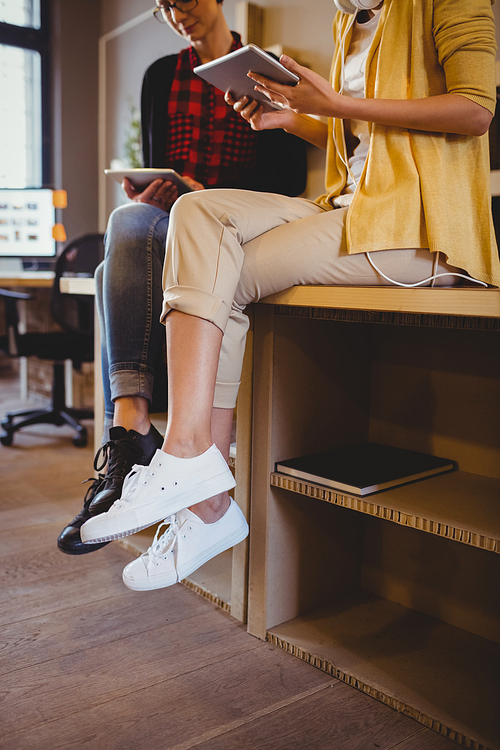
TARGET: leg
(206,256)
(129,309)
(193,424)
(128,297)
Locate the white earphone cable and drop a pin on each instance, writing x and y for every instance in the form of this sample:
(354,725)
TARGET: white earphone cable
(424,281)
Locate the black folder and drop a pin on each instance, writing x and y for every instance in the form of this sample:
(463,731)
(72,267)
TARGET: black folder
(364,468)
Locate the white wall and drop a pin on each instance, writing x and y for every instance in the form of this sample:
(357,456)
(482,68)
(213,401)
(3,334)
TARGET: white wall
(75,30)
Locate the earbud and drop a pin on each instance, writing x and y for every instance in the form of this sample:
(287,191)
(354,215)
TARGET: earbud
(351,6)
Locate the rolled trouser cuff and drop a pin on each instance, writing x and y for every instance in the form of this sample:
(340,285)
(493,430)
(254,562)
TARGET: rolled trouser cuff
(225,395)
(127,382)
(193,301)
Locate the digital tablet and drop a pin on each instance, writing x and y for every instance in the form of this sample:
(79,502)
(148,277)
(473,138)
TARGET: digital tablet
(229,73)
(141,178)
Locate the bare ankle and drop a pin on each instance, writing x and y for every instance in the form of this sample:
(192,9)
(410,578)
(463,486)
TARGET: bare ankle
(186,447)
(132,413)
(213,509)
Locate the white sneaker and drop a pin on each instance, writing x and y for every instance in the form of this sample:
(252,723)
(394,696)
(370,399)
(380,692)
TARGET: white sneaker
(187,544)
(151,493)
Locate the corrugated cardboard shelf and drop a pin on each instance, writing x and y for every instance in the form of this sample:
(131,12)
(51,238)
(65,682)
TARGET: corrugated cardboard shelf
(460,506)
(442,676)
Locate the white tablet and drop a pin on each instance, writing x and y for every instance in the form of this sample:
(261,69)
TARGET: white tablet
(229,73)
(141,178)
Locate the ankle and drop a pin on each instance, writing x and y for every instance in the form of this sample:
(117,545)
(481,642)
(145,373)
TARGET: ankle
(213,509)
(186,447)
(140,426)
(132,413)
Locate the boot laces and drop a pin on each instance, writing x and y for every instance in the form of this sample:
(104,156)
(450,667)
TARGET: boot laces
(90,494)
(118,455)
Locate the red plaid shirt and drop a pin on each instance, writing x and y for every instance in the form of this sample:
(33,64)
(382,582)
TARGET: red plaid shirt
(203,131)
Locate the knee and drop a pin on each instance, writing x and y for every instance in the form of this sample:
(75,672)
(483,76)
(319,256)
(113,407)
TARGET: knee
(129,225)
(188,205)
(98,276)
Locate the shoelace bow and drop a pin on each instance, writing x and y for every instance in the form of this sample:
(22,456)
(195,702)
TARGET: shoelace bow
(162,543)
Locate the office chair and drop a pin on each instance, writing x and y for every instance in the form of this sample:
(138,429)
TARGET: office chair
(75,315)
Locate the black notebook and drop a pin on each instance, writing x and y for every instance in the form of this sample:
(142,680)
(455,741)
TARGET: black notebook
(364,468)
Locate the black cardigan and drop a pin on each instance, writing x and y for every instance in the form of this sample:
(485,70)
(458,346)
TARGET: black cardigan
(281,157)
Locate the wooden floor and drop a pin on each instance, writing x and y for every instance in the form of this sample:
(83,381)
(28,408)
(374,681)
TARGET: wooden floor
(86,663)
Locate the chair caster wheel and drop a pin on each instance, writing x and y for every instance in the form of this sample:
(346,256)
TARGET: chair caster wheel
(7,438)
(80,442)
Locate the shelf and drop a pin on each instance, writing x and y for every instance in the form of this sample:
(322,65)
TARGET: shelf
(439,675)
(459,506)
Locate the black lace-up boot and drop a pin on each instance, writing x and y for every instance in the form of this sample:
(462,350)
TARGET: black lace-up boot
(124,449)
(69,540)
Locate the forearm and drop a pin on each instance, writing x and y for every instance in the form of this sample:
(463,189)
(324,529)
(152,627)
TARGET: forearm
(308,128)
(447,113)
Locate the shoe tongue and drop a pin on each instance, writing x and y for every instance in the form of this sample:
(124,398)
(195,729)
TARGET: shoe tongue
(187,515)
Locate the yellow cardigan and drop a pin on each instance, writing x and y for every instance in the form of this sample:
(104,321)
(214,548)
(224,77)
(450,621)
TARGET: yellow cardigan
(421,189)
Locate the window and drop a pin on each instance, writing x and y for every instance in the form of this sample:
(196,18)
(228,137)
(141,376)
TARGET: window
(24,75)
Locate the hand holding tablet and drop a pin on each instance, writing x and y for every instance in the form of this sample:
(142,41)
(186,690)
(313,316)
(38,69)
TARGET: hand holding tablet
(229,73)
(141,178)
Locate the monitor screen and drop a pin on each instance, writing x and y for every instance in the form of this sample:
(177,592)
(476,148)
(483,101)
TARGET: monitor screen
(26,221)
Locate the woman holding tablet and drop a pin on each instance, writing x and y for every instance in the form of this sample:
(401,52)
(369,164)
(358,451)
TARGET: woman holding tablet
(406,202)
(186,126)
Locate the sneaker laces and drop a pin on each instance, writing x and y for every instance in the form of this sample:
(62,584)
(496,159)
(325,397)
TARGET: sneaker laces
(89,495)
(129,485)
(138,474)
(117,454)
(163,543)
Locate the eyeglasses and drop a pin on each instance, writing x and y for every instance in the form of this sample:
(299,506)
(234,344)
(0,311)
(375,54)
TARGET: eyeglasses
(162,14)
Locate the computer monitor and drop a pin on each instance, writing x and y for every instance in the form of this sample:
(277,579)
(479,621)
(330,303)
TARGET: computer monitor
(27,217)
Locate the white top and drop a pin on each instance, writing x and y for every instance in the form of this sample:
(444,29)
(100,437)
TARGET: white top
(357,134)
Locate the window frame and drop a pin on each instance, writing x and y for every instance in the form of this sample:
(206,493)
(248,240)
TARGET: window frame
(37,40)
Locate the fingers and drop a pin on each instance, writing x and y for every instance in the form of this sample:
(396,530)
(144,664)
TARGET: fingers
(160,193)
(165,195)
(246,107)
(193,183)
(129,189)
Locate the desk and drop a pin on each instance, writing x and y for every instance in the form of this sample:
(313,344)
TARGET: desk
(86,285)
(31,280)
(26,279)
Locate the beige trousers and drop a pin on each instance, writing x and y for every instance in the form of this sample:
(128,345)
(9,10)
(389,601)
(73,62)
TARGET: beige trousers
(227,248)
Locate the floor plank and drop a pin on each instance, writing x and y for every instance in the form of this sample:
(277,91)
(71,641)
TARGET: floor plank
(335,717)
